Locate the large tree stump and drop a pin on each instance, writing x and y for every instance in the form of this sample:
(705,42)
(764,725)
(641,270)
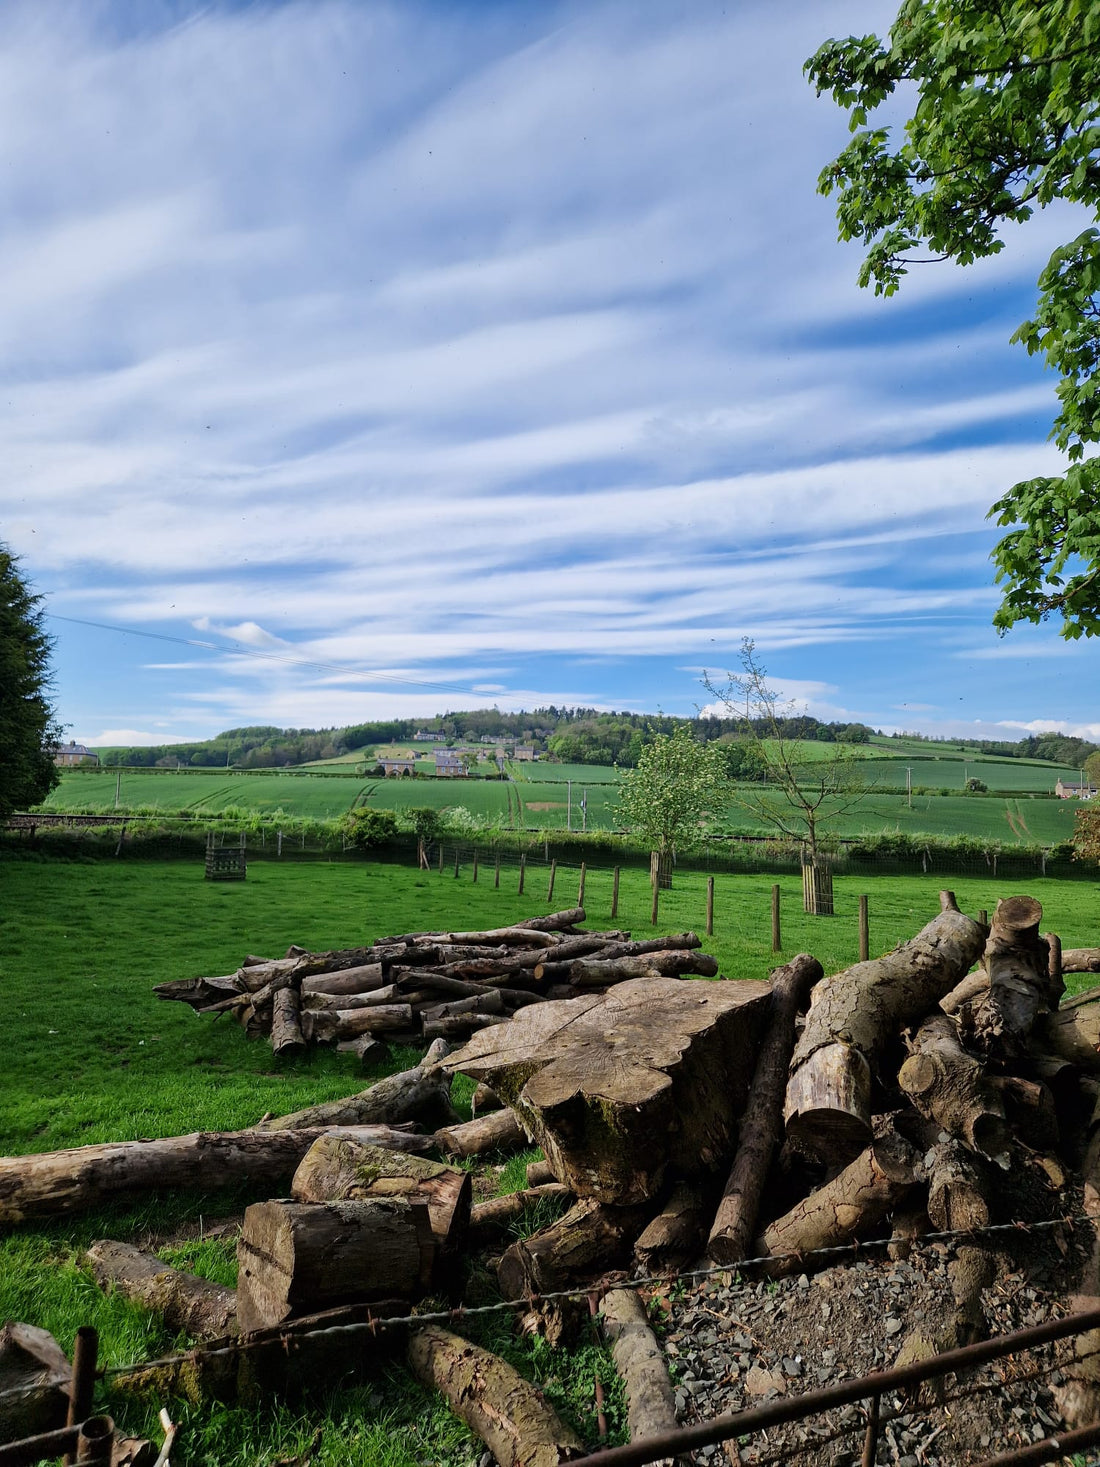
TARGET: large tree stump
(296,1257)
(999,1020)
(34,1381)
(511,1416)
(618,1087)
(336,1169)
(185,1301)
(852,1016)
(86,1177)
(762,1124)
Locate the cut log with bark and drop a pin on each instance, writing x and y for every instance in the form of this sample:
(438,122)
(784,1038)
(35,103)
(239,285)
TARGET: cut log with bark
(460,1026)
(365,979)
(326,1026)
(55,1182)
(1072,1032)
(595,973)
(589,1239)
(499,1130)
(484,1100)
(422,1094)
(857,1199)
(950,1087)
(958,1187)
(862,1009)
(650,1402)
(617,1086)
(286,1029)
(510,1415)
(1081,960)
(674,1236)
(761,1128)
(489,1219)
(539,1172)
(999,1020)
(337,1169)
(367,1049)
(297,1257)
(389,993)
(34,1381)
(186,1302)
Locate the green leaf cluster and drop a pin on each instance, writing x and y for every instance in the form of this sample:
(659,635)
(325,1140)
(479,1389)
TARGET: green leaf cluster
(1006,120)
(28,733)
(676,780)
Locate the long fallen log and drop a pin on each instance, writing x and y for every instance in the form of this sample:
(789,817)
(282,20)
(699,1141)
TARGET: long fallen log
(598,973)
(853,1016)
(650,1403)
(1081,960)
(498,1130)
(762,1124)
(325,1026)
(511,1416)
(420,1094)
(86,1177)
(187,1302)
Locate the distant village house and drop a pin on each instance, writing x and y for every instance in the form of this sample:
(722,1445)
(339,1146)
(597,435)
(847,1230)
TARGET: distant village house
(525,753)
(71,753)
(1072,789)
(429,735)
(449,763)
(398,766)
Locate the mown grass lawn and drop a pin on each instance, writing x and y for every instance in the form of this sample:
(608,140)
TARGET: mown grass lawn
(92,1055)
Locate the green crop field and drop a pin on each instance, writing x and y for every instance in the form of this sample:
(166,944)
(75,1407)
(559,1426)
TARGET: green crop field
(92,1055)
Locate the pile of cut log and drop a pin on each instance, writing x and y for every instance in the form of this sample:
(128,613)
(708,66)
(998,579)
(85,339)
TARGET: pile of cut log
(430,985)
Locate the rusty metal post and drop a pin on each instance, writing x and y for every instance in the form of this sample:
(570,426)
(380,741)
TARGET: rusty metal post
(97,1437)
(870,1436)
(82,1380)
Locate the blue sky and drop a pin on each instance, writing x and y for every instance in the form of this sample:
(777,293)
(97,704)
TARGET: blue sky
(458,353)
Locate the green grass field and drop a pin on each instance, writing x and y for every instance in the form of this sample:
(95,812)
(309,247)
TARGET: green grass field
(92,1055)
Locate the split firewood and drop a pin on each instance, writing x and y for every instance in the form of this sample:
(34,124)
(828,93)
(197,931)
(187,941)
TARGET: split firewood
(613,1085)
(86,1177)
(853,1016)
(650,1403)
(187,1302)
(951,1088)
(857,1199)
(286,1028)
(489,1219)
(591,1238)
(499,1130)
(34,1381)
(594,973)
(762,1124)
(337,1169)
(1017,960)
(325,1026)
(1073,1031)
(675,1235)
(295,1257)
(511,1416)
(420,1094)
(1081,960)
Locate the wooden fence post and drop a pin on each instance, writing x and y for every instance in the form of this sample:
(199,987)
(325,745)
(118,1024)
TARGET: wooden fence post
(615,894)
(580,887)
(710,906)
(456,860)
(496,872)
(864,931)
(656,896)
(475,866)
(550,888)
(777,941)
(441,858)
(522,872)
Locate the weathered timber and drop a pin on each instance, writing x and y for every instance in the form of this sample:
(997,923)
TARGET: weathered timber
(856,1199)
(294,1257)
(951,1087)
(498,1130)
(511,1416)
(1030,1109)
(616,1086)
(325,1026)
(502,937)
(421,1094)
(336,1169)
(54,1182)
(589,1239)
(484,1100)
(597,973)
(1072,1032)
(460,1026)
(963,992)
(388,993)
(478,1003)
(999,1021)
(366,1049)
(539,1172)
(34,1381)
(489,1219)
(762,1124)
(555,967)
(650,1403)
(862,1009)
(200,992)
(187,1302)
(957,1187)
(554,921)
(675,1235)
(1081,960)
(286,1028)
(351,980)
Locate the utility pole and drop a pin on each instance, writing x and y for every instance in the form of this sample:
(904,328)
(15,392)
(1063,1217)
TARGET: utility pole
(584,813)
(569,804)
(118,787)
(909,787)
